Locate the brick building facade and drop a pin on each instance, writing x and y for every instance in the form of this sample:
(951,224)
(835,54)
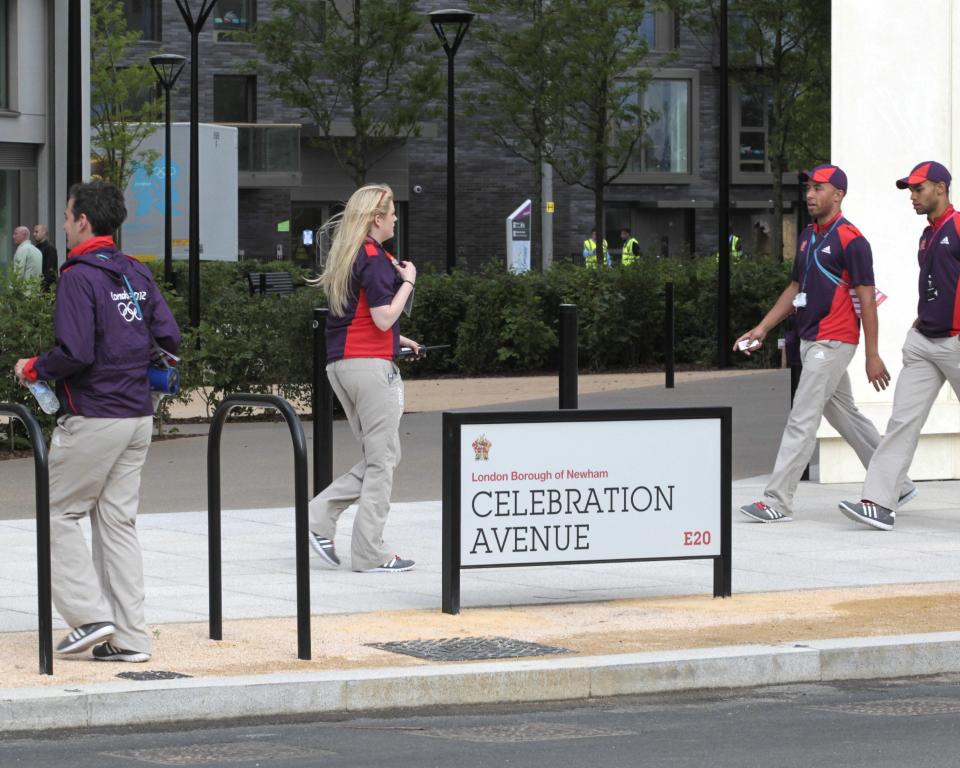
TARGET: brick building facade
(668,199)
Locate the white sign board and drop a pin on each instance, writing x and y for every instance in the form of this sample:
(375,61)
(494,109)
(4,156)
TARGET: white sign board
(555,492)
(143,231)
(519,228)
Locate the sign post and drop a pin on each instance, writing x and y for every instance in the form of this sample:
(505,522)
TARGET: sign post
(519,227)
(542,488)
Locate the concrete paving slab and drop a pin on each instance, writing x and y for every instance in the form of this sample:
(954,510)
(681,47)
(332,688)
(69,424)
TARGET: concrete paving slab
(795,586)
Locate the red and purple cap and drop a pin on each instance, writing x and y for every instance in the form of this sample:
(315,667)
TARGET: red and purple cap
(928,170)
(825,174)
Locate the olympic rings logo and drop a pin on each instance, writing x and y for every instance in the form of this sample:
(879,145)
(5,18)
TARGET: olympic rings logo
(129,311)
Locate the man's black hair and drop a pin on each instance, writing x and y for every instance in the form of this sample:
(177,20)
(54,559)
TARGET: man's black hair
(102,203)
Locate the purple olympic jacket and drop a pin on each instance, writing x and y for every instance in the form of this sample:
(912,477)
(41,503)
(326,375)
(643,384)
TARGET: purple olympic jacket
(104,337)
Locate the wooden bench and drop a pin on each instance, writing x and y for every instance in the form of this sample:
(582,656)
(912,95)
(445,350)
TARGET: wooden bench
(271,283)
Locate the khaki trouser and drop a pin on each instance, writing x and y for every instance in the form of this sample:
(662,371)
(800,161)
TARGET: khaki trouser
(824,390)
(371,392)
(927,363)
(95,470)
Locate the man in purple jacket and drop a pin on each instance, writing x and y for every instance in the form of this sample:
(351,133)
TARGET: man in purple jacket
(107,315)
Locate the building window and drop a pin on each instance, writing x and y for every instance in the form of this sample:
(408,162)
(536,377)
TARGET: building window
(666,145)
(751,122)
(234,99)
(4,53)
(232,16)
(668,152)
(659,30)
(143,16)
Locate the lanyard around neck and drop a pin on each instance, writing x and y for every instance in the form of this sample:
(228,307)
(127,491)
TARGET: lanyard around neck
(816,256)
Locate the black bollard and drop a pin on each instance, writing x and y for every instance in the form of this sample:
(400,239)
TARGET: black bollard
(568,356)
(322,406)
(668,334)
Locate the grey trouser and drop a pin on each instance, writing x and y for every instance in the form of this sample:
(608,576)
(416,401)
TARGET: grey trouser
(95,470)
(824,390)
(371,392)
(927,363)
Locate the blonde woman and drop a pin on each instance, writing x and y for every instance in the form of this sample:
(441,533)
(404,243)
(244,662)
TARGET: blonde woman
(366,290)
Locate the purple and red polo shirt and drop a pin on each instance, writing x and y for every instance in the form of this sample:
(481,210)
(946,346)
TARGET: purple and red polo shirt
(830,261)
(354,334)
(939,258)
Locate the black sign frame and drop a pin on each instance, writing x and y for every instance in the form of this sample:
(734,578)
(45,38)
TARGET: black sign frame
(454,421)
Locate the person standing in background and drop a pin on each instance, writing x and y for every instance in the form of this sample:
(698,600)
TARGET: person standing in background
(48,252)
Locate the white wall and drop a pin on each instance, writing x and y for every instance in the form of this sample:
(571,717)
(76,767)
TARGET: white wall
(895,67)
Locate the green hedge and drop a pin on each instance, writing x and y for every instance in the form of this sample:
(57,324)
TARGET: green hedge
(494,322)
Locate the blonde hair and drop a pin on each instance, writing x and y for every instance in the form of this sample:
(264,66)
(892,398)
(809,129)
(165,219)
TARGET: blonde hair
(349,230)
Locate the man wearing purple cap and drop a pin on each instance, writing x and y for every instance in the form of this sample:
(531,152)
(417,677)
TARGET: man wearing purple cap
(833,264)
(931,352)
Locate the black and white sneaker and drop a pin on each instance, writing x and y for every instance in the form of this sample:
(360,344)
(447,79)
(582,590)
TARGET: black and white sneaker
(110,652)
(84,636)
(324,548)
(395,564)
(868,513)
(764,513)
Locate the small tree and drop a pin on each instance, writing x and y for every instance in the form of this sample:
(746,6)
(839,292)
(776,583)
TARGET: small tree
(516,93)
(123,101)
(602,120)
(780,52)
(359,61)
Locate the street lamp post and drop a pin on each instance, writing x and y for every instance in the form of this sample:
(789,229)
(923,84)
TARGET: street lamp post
(723,202)
(168,67)
(194,24)
(456,23)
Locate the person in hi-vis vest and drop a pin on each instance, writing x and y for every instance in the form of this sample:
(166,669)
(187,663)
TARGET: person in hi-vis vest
(631,248)
(590,251)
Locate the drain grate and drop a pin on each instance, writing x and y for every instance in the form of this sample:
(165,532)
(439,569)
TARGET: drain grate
(515,734)
(214,754)
(468,648)
(152,674)
(901,708)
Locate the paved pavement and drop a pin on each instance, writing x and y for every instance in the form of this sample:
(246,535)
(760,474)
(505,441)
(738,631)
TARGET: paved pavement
(817,554)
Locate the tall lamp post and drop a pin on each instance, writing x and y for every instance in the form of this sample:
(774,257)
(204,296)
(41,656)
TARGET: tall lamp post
(194,22)
(449,24)
(168,67)
(723,202)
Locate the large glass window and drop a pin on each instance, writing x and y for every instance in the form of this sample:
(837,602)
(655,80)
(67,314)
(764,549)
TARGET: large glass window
(233,16)
(234,99)
(4,53)
(143,16)
(751,119)
(666,145)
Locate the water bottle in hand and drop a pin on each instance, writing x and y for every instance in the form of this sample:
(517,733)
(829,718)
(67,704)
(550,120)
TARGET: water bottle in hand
(46,397)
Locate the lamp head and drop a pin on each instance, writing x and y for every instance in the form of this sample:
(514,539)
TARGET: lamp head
(451,22)
(168,67)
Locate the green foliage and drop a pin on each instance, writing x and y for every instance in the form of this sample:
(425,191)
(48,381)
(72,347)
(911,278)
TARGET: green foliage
(123,105)
(26,329)
(361,62)
(603,75)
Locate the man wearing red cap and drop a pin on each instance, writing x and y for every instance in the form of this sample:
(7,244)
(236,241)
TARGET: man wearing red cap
(931,352)
(833,264)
